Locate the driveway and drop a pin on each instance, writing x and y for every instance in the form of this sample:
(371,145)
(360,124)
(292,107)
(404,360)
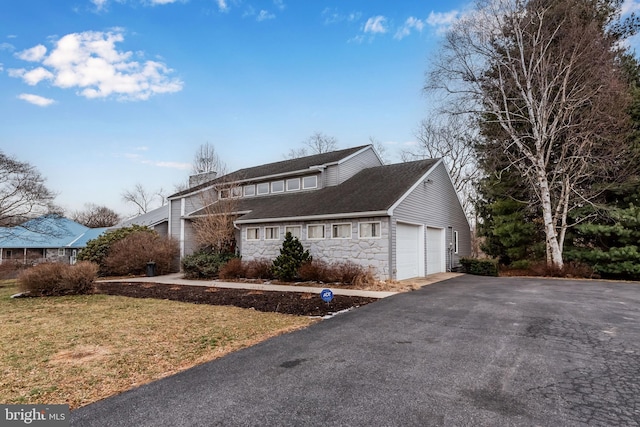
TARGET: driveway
(468,351)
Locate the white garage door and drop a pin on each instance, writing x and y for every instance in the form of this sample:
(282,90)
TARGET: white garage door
(407,251)
(435,250)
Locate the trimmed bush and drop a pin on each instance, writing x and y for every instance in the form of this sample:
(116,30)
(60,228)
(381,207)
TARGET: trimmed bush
(204,264)
(292,256)
(130,255)
(52,279)
(480,267)
(233,269)
(345,272)
(11,269)
(258,269)
(98,249)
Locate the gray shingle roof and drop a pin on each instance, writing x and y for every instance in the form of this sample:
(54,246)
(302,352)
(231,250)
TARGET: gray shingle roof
(373,189)
(277,168)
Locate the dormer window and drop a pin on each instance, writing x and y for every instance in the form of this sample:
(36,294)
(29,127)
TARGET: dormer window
(277,186)
(263,188)
(293,184)
(250,190)
(309,182)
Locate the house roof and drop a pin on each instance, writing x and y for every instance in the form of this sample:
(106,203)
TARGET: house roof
(277,168)
(373,190)
(149,219)
(49,231)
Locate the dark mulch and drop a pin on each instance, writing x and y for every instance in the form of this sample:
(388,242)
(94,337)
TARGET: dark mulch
(298,303)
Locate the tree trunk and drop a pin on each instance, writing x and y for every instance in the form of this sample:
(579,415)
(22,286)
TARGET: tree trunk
(554,253)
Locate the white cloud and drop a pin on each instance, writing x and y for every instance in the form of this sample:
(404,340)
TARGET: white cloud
(222,5)
(34,54)
(376,25)
(333,16)
(410,24)
(155,2)
(264,15)
(7,46)
(100,4)
(437,19)
(91,63)
(630,6)
(38,100)
(171,165)
(279,4)
(1,67)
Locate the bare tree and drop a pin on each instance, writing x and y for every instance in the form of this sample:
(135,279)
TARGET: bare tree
(452,139)
(206,159)
(317,143)
(23,194)
(94,216)
(215,228)
(380,149)
(143,199)
(544,73)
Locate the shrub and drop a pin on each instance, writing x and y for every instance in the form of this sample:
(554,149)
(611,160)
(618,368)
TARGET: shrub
(522,264)
(347,272)
(258,269)
(315,271)
(97,249)
(11,269)
(233,269)
(570,269)
(204,264)
(130,255)
(292,256)
(50,279)
(480,267)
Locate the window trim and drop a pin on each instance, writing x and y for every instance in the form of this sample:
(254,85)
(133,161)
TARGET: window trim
(360,224)
(257,234)
(62,252)
(456,242)
(276,182)
(299,227)
(258,192)
(342,224)
(324,232)
(304,187)
(266,236)
(292,180)
(244,190)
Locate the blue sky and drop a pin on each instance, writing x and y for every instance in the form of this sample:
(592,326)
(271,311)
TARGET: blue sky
(102,94)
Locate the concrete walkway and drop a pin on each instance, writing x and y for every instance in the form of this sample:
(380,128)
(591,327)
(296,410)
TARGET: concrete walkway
(177,279)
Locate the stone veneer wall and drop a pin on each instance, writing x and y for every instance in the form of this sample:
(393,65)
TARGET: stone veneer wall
(365,252)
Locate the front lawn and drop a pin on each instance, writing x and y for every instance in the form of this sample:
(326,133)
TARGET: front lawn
(80,349)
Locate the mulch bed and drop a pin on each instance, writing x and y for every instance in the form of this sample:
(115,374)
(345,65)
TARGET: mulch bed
(298,303)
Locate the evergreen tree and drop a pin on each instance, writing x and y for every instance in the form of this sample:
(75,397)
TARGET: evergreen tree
(292,256)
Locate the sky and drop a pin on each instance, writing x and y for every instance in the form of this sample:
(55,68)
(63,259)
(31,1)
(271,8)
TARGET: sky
(100,95)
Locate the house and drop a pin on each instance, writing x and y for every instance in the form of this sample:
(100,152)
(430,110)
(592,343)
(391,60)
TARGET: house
(157,220)
(47,238)
(403,220)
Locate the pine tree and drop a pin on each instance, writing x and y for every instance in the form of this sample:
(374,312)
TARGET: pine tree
(292,256)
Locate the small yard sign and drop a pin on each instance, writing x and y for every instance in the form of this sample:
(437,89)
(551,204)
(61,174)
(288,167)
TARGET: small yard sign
(326,295)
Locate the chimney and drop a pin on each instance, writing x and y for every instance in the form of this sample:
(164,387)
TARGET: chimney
(201,178)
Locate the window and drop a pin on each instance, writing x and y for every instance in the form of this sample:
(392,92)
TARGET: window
(341,231)
(455,242)
(295,230)
(253,233)
(61,251)
(369,230)
(315,231)
(8,254)
(236,191)
(263,188)
(224,194)
(250,190)
(272,233)
(310,182)
(293,184)
(277,186)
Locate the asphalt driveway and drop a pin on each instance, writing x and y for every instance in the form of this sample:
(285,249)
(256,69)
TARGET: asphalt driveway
(468,351)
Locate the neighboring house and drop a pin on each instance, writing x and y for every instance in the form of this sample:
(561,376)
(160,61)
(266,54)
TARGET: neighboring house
(48,238)
(403,220)
(157,219)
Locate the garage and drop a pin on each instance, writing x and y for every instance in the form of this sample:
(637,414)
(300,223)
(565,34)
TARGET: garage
(409,251)
(435,250)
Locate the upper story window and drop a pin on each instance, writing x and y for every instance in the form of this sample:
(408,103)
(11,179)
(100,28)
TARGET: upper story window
(277,186)
(369,230)
(263,188)
(250,190)
(236,191)
(224,193)
(310,182)
(293,184)
(341,231)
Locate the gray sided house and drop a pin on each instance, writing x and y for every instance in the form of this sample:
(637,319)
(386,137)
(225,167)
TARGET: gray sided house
(402,220)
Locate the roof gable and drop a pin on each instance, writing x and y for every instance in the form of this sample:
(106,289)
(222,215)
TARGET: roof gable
(278,168)
(372,191)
